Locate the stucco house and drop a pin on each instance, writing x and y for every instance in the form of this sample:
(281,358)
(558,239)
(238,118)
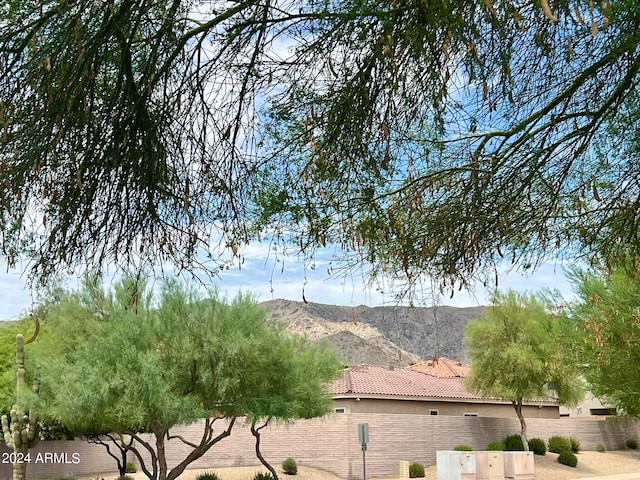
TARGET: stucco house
(434,387)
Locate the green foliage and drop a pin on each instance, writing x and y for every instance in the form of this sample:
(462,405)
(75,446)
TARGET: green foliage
(67,476)
(462,448)
(131,467)
(537,446)
(289,466)
(516,352)
(558,443)
(173,361)
(263,476)
(567,457)
(496,445)
(207,476)
(605,316)
(416,470)
(513,443)
(601,448)
(575,444)
(125,477)
(632,443)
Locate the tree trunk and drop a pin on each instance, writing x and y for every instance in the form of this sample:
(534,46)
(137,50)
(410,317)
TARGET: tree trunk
(160,434)
(256,433)
(517,405)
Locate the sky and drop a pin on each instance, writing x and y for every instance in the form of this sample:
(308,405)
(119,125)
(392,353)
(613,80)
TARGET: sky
(267,280)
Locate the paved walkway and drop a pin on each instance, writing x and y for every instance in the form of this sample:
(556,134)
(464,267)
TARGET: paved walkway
(620,476)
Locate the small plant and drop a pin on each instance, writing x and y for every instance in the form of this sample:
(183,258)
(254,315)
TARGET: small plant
(495,445)
(124,477)
(66,476)
(463,448)
(558,444)
(289,466)
(567,457)
(575,444)
(537,446)
(513,443)
(131,468)
(416,470)
(632,443)
(263,476)
(207,476)
(601,448)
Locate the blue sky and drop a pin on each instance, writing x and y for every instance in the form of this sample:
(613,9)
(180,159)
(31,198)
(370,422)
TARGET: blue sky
(261,276)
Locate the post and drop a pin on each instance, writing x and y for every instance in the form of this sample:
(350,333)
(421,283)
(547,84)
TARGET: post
(363,438)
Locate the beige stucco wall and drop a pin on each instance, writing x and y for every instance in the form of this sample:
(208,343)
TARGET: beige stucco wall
(416,407)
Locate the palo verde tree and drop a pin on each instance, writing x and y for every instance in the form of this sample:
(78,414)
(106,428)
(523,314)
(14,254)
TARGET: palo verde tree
(131,366)
(606,337)
(422,137)
(517,354)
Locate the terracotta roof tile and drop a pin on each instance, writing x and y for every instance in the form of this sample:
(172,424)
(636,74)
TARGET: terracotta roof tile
(443,368)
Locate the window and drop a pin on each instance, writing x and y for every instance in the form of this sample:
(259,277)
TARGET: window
(340,410)
(433,412)
(467,414)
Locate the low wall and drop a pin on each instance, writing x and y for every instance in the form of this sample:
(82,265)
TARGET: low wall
(331,443)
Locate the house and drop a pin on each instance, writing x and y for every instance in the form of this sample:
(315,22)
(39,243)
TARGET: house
(434,387)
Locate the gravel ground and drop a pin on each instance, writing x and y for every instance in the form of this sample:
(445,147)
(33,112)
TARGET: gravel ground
(590,464)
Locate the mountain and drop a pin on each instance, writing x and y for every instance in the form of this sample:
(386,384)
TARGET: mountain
(379,335)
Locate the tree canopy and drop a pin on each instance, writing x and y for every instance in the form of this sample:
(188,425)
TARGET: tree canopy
(517,353)
(606,339)
(422,137)
(121,362)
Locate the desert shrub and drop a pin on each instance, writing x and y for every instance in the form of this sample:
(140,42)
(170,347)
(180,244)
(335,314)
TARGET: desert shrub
(575,444)
(567,457)
(495,445)
(416,470)
(601,448)
(558,444)
(537,446)
(289,466)
(124,477)
(263,476)
(513,443)
(66,476)
(462,448)
(632,443)
(207,476)
(131,468)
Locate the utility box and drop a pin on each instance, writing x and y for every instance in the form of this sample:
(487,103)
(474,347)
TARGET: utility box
(453,465)
(519,466)
(404,469)
(489,465)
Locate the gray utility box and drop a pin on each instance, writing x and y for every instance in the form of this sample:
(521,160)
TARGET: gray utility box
(452,465)
(490,465)
(519,466)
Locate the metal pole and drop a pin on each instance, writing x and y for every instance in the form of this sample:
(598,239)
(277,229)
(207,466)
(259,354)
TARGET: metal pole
(364,461)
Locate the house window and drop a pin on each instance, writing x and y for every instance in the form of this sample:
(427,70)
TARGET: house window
(433,412)
(469,414)
(340,410)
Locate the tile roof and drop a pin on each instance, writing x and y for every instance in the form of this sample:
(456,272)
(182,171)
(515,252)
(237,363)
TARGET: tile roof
(443,368)
(397,381)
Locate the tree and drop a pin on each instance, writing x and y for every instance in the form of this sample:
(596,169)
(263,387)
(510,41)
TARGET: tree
(606,340)
(130,368)
(517,354)
(424,138)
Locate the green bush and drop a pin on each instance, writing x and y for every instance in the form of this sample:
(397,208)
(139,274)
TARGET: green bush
(124,477)
(416,470)
(131,468)
(632,443)
(558,444)
(537,446)
(567,457)
(289,466)
(207,476)
(601,448)
(263,476)
(575,444)
(513,443)
(66,476)
(495,445)
(462,448)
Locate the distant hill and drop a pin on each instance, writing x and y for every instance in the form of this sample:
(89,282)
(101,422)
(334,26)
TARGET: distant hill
(379,335)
